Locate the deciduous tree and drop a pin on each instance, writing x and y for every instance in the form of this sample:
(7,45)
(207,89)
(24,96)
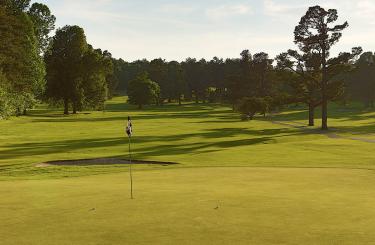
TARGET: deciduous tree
(44,23)
(142,91)
(64,67)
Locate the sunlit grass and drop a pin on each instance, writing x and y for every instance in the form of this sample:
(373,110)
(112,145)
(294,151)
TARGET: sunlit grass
(192,135)
(237,182)
(223,205)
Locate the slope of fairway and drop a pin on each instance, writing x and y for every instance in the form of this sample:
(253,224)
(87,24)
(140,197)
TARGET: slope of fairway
(268,181)
(192,135)
(193,206)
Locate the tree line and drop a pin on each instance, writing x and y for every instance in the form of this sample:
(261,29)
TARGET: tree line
(259,84)
(202,81)
(65,70)
(62,70)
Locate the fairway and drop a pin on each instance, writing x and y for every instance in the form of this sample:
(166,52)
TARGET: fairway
(267,181)
(191,135)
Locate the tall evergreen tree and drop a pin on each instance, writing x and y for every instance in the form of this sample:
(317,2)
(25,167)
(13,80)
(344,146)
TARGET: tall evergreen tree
(317,33)
(306,85)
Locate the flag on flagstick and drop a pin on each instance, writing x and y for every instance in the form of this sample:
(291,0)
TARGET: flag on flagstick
(129,132)
(129,128)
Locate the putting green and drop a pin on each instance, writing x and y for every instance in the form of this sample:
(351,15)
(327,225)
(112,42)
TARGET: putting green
(221,205)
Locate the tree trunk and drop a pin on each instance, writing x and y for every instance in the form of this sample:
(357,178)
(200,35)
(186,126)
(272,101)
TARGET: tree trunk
(311,114)
(24,112)
(74,108)
(18,112)
(325,114)
(179,100)
(140,106)
(66,107)
(324,92)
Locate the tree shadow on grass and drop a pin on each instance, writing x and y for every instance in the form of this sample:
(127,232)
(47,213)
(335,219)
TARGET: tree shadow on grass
(163,144)
(187,107)
(197,148)
(356,115)
(51,147)
(365,129)
(214,115)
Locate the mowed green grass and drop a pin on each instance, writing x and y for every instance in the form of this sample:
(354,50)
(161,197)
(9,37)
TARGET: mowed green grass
(175,206)
(272,183)
(192,135)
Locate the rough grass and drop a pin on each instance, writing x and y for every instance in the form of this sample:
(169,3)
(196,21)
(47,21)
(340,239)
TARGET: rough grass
(272,183)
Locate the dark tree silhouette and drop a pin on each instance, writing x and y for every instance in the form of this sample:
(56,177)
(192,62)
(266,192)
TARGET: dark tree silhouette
(64,66)
(361,81)
(158,72)
(316,33)
(313,34)
(306,85)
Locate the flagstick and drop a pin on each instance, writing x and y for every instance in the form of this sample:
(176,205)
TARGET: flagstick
(131,174)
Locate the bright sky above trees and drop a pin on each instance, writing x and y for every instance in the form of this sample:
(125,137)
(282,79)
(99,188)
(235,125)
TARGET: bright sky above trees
(176,29)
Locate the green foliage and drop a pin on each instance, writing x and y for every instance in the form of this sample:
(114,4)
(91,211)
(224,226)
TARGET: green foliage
(64,63)
(97,69)
(44,23)
(21,64)
(176,81)
(315,35)
(361,80)
(143,91)
(77,74)
(320,77)
(249,106)
(15,6)
(159,72)
(200,80)
(124,72)
(6,108)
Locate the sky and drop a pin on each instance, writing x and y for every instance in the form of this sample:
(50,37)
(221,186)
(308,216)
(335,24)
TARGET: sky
(177,29)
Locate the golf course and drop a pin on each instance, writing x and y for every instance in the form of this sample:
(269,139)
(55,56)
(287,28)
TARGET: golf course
(165,122)
(267,181)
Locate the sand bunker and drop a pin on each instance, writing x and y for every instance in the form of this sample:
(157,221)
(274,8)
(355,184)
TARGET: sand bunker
(100,161)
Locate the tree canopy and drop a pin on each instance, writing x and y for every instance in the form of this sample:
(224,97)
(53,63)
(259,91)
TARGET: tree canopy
(142,91)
